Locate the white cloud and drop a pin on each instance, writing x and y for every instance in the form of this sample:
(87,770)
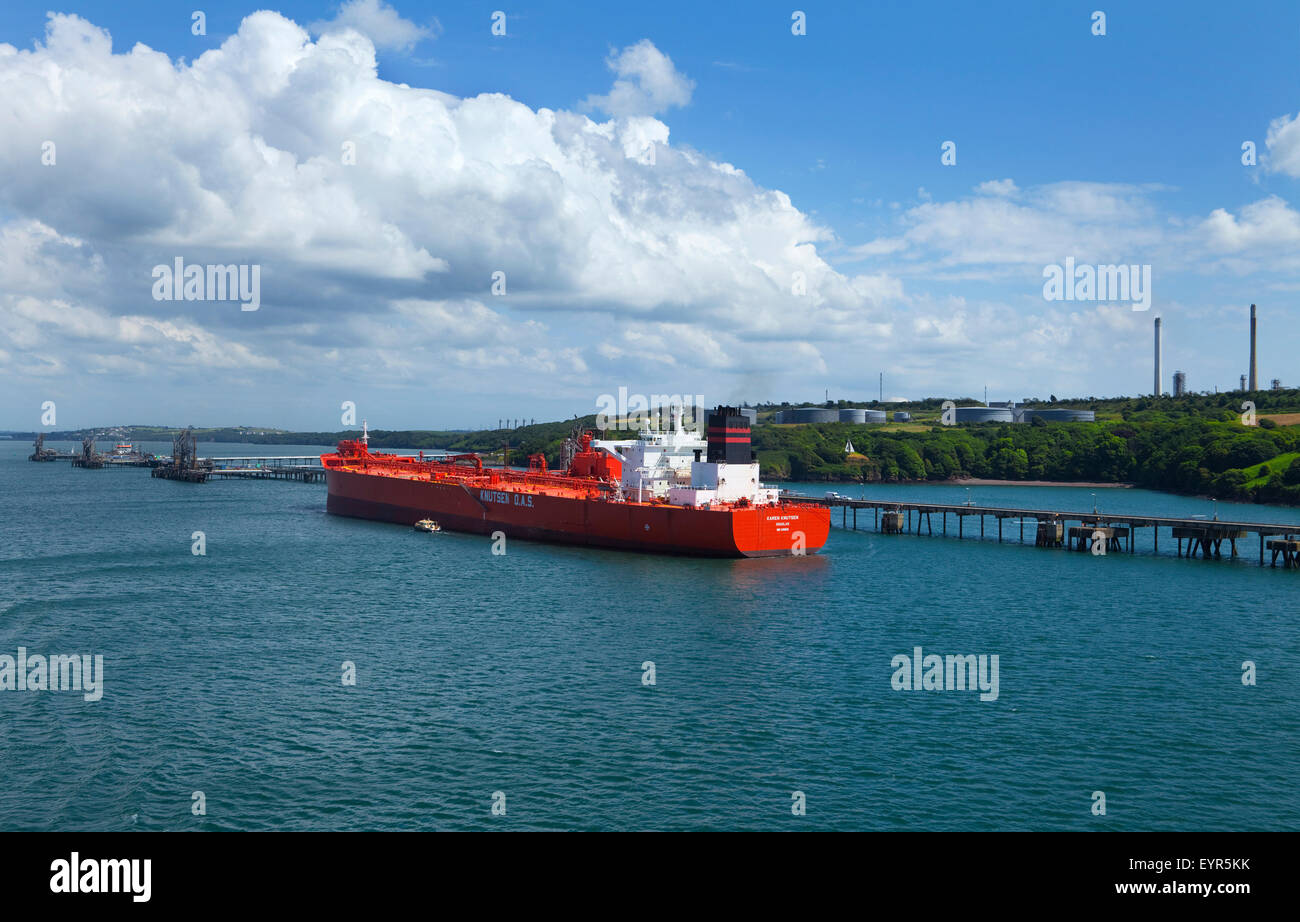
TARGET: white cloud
(1268,224)
(387,263)
(1003,229)
(1003,187)
(380,23)
(618,269)
(1283,142)
(647,83)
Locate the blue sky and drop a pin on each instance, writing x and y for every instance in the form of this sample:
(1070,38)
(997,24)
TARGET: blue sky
(1117,148)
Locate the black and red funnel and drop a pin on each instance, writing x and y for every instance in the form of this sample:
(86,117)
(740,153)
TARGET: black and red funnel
(728,436)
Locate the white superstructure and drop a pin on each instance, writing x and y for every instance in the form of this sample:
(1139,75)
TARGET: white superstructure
(668,466)
(657,461)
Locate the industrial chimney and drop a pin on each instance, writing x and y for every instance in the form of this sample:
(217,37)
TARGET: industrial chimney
(1158,376)
(1253,381)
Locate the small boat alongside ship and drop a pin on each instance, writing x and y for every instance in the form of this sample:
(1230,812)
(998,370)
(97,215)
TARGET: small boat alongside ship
(668,492)
(427,525)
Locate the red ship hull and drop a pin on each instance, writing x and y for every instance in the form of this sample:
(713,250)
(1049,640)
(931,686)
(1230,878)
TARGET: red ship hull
(782,530)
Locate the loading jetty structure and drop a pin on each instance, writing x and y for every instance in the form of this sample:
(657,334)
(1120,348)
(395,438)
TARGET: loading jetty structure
(302,468)
(90,456)
(1053,529)
(185,464)
(40,452)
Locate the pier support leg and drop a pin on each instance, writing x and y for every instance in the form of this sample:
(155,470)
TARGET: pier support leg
(981,525)
(1022,530)
(960,520)
(1261,549)
(1155,531)
(945,521)
(999,529)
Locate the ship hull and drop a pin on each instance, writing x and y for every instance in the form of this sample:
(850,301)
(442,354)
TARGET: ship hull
(770,531)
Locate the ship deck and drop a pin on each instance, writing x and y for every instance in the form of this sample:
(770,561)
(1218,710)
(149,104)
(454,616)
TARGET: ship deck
(531,482)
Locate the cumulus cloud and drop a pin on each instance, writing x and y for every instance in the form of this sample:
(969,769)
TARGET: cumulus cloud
(1003,187)
(380,215)
(1269,224)
(1004,229)
(380,23)
(647,83)
(1283,142)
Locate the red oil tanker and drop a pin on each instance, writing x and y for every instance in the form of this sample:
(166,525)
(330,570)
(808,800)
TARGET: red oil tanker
(654,493)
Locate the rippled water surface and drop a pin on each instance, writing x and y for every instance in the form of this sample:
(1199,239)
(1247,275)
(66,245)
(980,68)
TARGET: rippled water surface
(522,674)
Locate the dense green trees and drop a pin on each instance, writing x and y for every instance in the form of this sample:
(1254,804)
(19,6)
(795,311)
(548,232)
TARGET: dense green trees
(1183,453)
(1191,444)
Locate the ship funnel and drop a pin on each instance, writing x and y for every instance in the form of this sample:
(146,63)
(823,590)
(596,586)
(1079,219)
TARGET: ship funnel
(728,436)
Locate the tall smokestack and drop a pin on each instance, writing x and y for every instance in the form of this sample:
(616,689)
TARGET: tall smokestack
(1253,381)
(1158,375)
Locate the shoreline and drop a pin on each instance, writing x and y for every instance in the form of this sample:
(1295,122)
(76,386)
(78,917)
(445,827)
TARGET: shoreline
(977,482)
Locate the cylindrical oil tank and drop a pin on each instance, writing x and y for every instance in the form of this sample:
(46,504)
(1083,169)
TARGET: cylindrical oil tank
(812,415)
(983,415)
(902,417)
(853,416)
(1061,415)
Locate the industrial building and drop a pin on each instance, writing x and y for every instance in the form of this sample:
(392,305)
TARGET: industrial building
(1247,382)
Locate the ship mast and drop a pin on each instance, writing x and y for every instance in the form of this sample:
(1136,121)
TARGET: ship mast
(365,434)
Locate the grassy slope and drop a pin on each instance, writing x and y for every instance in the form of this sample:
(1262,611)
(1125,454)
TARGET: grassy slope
(1280,463)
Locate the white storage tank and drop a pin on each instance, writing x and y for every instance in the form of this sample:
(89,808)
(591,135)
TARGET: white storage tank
(812,415)
(983,415)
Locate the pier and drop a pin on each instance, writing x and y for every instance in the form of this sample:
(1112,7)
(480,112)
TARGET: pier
(283,470)
(302,468)
(1113,532)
